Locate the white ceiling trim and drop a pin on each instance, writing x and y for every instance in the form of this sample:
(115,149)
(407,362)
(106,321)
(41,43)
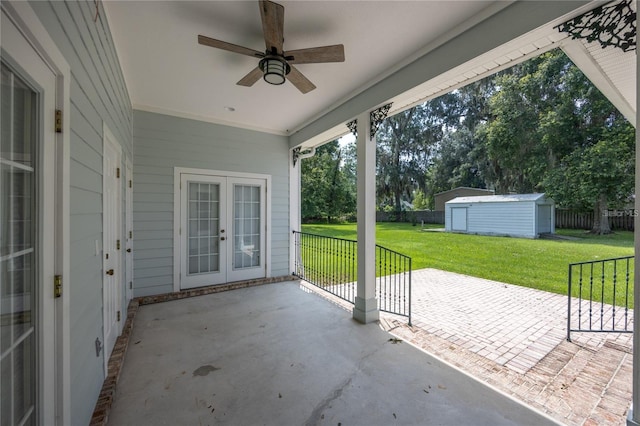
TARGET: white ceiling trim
(526,47)
(205,118)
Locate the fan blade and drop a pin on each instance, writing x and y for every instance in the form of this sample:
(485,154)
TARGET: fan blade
(251,78)
(212,42)
(300,81)
(316,55)
(272,25)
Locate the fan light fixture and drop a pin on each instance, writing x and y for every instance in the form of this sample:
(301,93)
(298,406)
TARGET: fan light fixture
(274,68)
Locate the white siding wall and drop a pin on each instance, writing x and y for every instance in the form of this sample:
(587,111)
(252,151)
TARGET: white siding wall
(98,94)
(163,142)
(512,218)
(509,218)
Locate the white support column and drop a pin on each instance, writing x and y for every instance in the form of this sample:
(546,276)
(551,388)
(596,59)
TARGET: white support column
(634,414)
(366,304)
(295,199)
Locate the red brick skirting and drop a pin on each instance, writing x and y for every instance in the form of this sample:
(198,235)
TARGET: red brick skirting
(107,393)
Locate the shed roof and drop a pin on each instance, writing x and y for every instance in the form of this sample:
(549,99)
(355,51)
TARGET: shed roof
(497,198)
(459,188)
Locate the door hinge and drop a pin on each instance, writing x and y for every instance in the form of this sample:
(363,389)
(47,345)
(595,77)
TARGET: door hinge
(118,244)
(130,234)
(130,285)
(130,183)
(118,315)
(58,121)
(118,172)
(57,286)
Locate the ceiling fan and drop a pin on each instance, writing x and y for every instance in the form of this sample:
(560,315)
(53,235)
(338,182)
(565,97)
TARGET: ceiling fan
(276,64)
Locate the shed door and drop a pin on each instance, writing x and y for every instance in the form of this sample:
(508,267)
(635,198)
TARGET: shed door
(458,218)
(544,219)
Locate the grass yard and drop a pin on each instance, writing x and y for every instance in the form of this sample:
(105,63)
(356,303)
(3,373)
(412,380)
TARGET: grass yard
(541,264)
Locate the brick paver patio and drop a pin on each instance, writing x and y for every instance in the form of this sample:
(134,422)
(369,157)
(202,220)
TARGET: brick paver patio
(514,338)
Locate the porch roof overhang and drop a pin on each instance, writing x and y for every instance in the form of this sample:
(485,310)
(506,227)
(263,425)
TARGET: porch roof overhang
(400,52)
(527,30)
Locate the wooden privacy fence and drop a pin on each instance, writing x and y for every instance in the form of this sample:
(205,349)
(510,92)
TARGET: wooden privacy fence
(620,220)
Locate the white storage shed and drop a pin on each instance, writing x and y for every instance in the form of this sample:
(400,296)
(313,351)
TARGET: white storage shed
(516,215)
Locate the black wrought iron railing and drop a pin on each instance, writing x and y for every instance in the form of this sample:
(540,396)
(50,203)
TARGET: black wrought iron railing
(331,264)
(600,296)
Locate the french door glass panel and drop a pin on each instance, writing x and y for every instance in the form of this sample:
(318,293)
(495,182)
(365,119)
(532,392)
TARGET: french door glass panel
(204,227)
(17,250)
(246,229)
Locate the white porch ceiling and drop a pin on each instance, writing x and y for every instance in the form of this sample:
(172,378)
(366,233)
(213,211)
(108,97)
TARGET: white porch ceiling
(167,71)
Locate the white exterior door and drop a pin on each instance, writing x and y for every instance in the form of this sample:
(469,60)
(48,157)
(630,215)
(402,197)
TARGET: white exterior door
(203,230)
(458,218)
(27,222)
(247,209)
(111,243)
(222,229)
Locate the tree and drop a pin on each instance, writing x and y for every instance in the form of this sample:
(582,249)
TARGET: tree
(598,177)
(405,147)
(327,193)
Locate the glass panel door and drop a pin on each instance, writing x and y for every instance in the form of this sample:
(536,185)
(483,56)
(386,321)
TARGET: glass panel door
(203,231)
(248,227)
(204,227)
(17,251)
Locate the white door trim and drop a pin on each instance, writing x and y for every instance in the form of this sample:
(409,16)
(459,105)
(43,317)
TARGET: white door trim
(128,237)
(26,20)
(177,172)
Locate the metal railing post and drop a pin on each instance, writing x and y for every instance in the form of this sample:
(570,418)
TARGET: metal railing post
(569,306)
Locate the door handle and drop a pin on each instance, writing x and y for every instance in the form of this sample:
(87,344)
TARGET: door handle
(222,238)
(128,250)
(110,272)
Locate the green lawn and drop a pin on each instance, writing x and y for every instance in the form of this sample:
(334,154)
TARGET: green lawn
(540,264)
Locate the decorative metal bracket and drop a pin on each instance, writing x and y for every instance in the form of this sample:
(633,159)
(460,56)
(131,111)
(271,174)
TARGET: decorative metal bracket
(353,127)
(610,25)
(376,116)
(295,154)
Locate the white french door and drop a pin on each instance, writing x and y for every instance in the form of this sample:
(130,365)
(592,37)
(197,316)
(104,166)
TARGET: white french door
(111,243)
(222,229)
(27,219)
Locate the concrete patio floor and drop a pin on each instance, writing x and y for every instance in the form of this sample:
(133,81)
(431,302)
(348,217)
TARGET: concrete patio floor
(280,354)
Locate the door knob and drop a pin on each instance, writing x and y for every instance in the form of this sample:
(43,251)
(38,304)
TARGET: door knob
(110,272)
(128,250)
(222,238)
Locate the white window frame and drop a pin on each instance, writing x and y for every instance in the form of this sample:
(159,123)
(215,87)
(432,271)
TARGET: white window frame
(26,20)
